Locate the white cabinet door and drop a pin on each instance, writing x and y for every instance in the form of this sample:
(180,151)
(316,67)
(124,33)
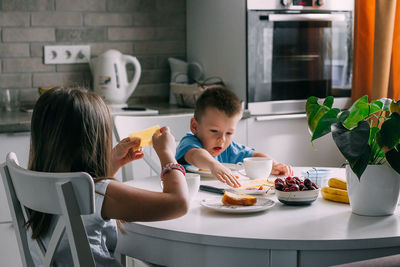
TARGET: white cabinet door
(241,132)
(9,252)
(288,141)
(15,142)
(18,143)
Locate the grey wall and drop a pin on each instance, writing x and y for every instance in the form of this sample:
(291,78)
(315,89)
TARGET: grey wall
(151,30)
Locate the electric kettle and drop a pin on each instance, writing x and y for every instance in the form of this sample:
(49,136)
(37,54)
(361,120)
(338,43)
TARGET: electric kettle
(110,79)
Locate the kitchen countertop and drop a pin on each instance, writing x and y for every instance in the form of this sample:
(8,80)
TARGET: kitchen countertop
(20,121)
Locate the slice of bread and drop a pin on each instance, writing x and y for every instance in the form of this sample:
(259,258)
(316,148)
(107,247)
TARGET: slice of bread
(230,198)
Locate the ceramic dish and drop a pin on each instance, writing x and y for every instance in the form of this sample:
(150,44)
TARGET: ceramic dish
(216,204)
(265,190)
(297,198)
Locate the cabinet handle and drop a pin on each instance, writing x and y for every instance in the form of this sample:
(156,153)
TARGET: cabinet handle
(280,117)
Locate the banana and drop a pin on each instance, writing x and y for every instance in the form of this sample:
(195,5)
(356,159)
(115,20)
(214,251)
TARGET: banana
(337,183)
(335,194)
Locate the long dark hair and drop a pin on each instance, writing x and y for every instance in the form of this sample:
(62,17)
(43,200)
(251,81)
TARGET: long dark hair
(71,131)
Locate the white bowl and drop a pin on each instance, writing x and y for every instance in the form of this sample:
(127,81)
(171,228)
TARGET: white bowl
(297,197)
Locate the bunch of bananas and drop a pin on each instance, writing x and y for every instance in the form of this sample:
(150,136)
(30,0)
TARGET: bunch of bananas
(336,191)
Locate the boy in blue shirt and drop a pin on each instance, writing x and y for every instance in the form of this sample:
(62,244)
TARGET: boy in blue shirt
(216,115)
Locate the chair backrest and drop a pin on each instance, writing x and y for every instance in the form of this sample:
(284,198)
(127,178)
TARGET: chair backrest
(124,125)
(68,195)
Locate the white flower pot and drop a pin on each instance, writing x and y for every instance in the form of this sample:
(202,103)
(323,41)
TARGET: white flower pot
(376,193)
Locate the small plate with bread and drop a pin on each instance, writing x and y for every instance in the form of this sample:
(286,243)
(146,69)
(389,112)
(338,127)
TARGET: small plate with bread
(255,187)
(237,203)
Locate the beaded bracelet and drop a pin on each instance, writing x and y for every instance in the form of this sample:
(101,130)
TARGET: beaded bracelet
(172,166)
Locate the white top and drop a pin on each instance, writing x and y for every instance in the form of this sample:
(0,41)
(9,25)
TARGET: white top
(102,236)
(323,225)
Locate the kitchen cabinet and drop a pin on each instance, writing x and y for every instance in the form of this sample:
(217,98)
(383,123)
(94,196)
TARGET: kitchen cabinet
(286,139)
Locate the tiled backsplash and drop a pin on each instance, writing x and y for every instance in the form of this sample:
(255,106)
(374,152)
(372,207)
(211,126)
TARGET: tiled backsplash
(151,30)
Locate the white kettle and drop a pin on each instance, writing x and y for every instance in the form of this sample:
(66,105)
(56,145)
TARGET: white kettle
(110,79)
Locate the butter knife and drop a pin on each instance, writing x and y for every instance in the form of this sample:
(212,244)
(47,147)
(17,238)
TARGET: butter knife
(212,189)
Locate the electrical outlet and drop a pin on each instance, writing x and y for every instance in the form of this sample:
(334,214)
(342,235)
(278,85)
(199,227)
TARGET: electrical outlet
(66,54)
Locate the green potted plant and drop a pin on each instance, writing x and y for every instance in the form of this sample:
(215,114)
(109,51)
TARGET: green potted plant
(368,136)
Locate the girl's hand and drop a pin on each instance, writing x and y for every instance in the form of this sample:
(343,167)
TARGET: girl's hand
(281,169)
(124,152)
(165,146)
(224,175)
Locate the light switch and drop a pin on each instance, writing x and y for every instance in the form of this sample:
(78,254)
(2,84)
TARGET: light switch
(66,54)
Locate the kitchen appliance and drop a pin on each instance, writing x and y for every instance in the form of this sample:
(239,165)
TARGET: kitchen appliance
(110,78)
(275,54)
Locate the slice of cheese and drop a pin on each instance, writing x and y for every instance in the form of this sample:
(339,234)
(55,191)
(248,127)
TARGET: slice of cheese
(257,183)
(145,135)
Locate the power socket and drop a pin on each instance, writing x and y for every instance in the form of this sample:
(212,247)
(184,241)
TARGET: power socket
(66,54)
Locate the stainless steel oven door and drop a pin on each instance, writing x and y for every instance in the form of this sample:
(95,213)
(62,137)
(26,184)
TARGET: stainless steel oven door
(293,55)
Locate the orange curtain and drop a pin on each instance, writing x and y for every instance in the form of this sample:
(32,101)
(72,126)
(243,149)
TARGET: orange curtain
(376,56)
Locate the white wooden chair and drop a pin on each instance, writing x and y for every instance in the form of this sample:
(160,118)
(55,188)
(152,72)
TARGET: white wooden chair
(124,125)
(68,195)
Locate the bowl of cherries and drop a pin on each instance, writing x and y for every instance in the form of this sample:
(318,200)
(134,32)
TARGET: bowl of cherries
(295,191)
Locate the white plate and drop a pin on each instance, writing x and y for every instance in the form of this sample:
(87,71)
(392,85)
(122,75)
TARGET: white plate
(254,192)
(216,204)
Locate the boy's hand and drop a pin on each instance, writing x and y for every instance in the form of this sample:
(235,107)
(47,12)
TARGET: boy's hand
(224,175)
(281,169)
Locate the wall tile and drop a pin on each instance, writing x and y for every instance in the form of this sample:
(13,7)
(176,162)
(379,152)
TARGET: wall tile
(131,34)
(15,80)
(99,48)
(28,34)
(56,19)
(167,47)
(131,5)
(14,19)
(101,19)
(170,34)
(14,50)
(151,30)
(61,79)
(153,90)
(27,5)
(26,65)
(147,62)
(155,76)
(80,35)
(163,19)
(80,5)
(168,5)
(73,67)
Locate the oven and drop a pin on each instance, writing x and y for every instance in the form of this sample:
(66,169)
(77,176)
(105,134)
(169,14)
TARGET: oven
(297,49)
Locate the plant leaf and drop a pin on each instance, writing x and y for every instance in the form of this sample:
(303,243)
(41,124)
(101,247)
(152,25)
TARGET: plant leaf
(343,116)
(393,157)
(323,126)
(328,102)
(372,134)
(389,135)
(353,144)
(314,112)
(320,117)
(358,111)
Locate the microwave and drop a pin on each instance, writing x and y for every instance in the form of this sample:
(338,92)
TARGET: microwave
(275,54)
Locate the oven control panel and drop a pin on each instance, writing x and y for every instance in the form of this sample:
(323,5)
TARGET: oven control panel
(301,3)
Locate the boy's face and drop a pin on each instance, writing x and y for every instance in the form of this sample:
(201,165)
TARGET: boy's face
(215,130)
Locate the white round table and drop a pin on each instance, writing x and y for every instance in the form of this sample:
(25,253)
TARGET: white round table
(322,234)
